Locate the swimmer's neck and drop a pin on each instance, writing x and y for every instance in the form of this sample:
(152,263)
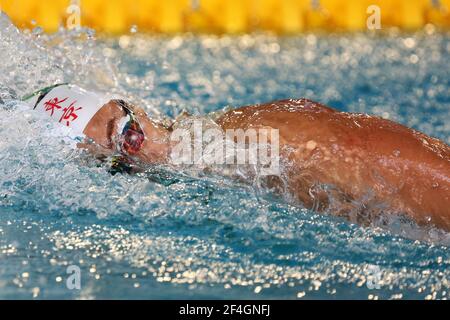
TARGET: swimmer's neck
(157,146)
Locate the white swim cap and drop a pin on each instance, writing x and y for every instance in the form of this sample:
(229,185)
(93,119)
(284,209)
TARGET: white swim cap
(70,105)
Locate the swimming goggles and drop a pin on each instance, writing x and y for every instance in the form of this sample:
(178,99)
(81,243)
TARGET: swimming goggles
(131,139)
(128,142)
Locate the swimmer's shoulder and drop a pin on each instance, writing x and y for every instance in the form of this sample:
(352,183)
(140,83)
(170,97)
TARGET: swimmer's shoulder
(290,105)
(287,108)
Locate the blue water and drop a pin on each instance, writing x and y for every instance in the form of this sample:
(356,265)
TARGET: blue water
(167,235)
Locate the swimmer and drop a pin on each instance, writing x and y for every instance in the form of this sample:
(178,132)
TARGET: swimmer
(365,161)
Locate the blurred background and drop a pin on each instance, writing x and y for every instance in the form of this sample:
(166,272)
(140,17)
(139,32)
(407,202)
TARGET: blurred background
(231,16)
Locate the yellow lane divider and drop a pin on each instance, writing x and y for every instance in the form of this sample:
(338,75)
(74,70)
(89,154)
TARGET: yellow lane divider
(225,16)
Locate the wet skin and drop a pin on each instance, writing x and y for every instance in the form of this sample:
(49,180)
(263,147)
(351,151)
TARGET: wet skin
(367,164)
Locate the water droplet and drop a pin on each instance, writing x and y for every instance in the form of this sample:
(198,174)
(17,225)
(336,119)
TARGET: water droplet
(38,31)
(311,145)
(134,29)
(409,43)
(36,292)
(414,59)
(90,34)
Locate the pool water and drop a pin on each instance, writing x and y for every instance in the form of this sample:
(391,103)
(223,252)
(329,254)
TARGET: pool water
(171,235)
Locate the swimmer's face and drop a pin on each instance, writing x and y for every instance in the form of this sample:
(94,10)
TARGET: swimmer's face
(103,128)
